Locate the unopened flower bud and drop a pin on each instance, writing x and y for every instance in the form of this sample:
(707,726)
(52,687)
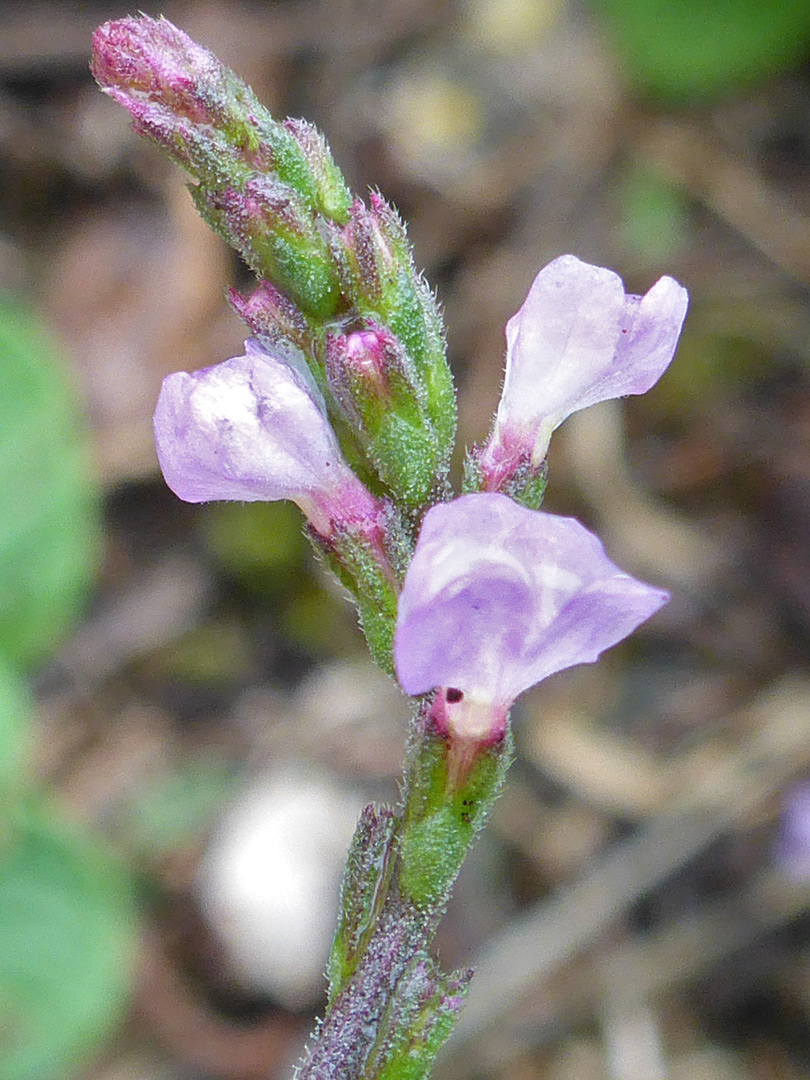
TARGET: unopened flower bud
(271,190)
(197,109)
(272,315)
(332,195)
(377,249)
(206,117)
(379,392)
(381,280)
(154,60)
(271,227)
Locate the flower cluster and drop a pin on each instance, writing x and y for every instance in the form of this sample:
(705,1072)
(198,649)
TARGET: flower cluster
(496,596)
(343,401)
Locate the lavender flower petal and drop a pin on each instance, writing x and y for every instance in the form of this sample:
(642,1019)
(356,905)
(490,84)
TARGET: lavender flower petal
(793,845)
(252,428)
(578,339)
(498,597)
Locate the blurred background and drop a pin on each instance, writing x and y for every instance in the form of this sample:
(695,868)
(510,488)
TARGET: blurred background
(189,722)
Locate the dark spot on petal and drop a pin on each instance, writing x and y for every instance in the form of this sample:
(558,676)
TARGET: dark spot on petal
(452,696)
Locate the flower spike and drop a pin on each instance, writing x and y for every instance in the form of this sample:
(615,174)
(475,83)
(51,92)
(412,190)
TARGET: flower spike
(497,598)
(348,365)
(578,339)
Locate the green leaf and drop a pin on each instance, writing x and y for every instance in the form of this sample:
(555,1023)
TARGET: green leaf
(49,527)
(691,50)
(66,946)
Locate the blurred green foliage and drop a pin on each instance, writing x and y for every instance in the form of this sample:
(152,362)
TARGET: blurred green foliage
(655,216)
(170,811)
(49,527)
(66,936)
(210,654)
(262,546)
(66,909)
(15,713)
(683,51)
(711,368)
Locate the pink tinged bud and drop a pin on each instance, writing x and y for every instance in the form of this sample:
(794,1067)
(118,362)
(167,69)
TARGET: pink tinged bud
(497,598)
(377,247)
(578,339)
(152,58)
(267,311)
(207,118)
(180,95)
(376,386)
(364,351)
(362,366)
(274,231)
(254,428)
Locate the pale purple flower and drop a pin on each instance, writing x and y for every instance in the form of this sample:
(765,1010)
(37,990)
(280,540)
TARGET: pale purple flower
(793,845)
(255,428)
(577,339)
(498,597)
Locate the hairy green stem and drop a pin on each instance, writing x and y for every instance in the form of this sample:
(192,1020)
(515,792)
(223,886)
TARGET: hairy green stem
(390,1007)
